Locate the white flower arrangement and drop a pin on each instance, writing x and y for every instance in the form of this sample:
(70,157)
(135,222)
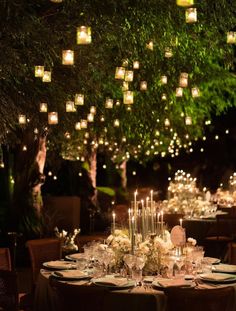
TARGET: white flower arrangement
(68,240)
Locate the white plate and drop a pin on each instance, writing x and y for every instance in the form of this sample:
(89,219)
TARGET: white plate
(70,274)
(218,277)
(211,260)
(165,283)
(59,264)
(75,256)
(105,283)
(225,268)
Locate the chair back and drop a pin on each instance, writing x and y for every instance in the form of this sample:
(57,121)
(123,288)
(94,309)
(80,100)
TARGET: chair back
(5,259)
(8,290)
(217,299)
(40,251)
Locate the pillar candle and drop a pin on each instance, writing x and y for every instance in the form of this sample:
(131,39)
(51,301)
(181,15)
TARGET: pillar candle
(114,221)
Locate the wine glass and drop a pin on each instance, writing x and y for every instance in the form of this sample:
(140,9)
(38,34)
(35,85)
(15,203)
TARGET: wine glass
(129,261)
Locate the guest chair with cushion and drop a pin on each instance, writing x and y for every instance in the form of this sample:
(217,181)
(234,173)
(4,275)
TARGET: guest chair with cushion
(8,290)
(217,299)
(5,259)
(40,251)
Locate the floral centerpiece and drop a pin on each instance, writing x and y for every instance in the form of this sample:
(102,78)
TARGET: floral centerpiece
(67,239)
(154,248)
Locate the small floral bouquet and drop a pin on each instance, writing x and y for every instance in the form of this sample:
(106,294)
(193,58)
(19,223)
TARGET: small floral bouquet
(67,240)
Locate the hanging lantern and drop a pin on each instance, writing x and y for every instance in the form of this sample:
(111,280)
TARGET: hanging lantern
(185,2)
(168,52)
(183,79)
(129,75)
(136,64)
(125,86)
(163,96)
(191,15)
(90,117)
(120,73)
(67,57)
(67,135)
(143,85)
(70,106)
(84,35)
(179,92)
(163,79)
(109,103)
(22,119)
(43,107)
(116,123)
(188,121)
(231,37)
(149,45)
(79,99)
(102,119)
(195,92)
(52,118)
(117,103)
(128,97)
(93,109)
(83,124)
(38,71)
(167,122)
(77,126)
(125,63)
(46,76)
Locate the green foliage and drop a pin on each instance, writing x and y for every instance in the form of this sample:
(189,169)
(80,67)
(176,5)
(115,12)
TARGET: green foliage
(107,190)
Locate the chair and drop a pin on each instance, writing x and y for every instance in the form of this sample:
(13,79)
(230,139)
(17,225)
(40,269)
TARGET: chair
(5,259)
(42,250)
(217,299)
(77,297)
(232,253)
(8,290)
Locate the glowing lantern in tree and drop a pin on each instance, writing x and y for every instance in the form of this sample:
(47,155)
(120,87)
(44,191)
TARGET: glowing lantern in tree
(168,52)
(128,97)
(84,35)
(143,85)
(163,79)
(46,76)
(90,117)
(70,106)
(77,126)
(231,37)
(116,123)
(83,124)
(38,71)
(136,64)
(179,92)
(125,63)
(183,79)
(129,75)
(191,15)
(195,92)
(52,118)
(120,73)
(67,57)
(109,103)
(185,3)
(163,96)
(93,109)
(150,45)
(125,86)
(22,119)
(43,107)
(188,121)
(167,122)
(79,99)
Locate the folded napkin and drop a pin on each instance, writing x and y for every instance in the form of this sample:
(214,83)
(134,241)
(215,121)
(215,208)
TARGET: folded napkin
(174,283)
(112,281)
(225,268)
(217,277)
(59,264)
(70,274)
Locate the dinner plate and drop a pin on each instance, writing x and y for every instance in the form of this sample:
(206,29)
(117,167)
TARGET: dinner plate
(211,260)
(70,274)
(75,256)
(218,277)
(105,282)
(165,283)
(225,268)
(59,265)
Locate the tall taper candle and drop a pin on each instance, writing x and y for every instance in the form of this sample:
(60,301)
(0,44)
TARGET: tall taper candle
(113,222)
(132,235)
(143,221)
(129,220)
